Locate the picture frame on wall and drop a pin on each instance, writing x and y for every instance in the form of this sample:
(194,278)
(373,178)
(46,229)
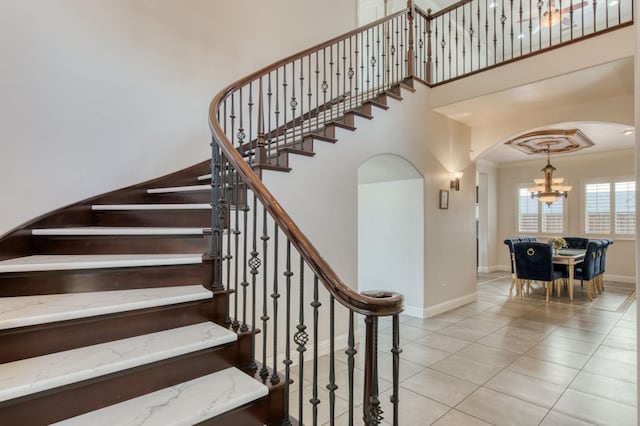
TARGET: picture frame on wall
(444,198)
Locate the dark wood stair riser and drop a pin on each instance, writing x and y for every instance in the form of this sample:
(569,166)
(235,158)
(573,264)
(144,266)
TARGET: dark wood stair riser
(121,244)
(162,218)
(72,400)
(78,281)
(264,411)
(43,339)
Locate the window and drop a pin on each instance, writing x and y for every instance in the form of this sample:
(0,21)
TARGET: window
(625,208)
(597,213)
(610,207)
(534,216)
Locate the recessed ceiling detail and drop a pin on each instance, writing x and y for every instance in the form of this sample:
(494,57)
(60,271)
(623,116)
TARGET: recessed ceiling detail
(552,140)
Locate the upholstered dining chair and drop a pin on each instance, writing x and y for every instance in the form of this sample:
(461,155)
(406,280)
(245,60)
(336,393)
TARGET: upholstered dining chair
(509,242)
(576,242)
(534,262)
(603,262)
(588,270)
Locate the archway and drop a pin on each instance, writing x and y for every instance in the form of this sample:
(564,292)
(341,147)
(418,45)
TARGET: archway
(391,229)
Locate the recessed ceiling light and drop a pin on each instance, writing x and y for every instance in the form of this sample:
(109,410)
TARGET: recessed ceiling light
(627,132)
(492,5)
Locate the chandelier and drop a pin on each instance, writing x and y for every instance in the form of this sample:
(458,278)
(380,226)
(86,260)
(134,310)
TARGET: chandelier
(549,189)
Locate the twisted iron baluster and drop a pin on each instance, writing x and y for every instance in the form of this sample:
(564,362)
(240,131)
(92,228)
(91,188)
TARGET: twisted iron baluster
(301,338)
(315,401)
(332,362)
(396,351)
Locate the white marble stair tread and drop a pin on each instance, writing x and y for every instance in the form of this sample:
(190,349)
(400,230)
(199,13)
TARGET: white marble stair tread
(185,404)
(191,188)
(105,231)
(115,207)
(22,311)
(60,262)
(31,375)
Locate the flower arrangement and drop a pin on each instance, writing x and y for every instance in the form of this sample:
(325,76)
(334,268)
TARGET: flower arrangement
(557,242)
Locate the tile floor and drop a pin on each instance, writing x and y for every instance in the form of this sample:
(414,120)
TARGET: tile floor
(505,361)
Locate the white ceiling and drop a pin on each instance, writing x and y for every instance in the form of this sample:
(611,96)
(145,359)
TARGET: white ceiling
(588,85)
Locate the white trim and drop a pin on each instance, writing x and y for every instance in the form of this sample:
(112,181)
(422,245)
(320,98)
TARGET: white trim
(191,188)
(412,311)
(204,177)
(105,231)
(109,207)
(449,305)
(494,268)
(630,279)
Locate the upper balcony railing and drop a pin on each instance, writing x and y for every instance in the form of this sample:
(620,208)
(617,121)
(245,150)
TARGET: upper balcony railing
(475,35)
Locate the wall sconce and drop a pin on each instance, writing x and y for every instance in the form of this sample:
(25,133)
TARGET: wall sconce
(455,180)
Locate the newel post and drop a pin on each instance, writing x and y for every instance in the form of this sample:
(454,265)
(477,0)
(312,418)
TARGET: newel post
(371,403)
(429,64)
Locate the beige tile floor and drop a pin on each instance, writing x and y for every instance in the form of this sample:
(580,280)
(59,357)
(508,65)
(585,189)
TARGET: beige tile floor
(506,361)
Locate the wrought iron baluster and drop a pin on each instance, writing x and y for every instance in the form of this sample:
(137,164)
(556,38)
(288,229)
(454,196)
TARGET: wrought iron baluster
(429,77)
(293,103)
(377,58)
(364,64)
(570,18)
(540,4)
(231,187)
(324,85)
(464,48)
(351,352)
(302,120)
(245,283)
(287,361)
(495,33)
(254,265)
(351,73)
(595,2)
(396,351)
(264,372)
(471,33)
(309,93)
(275,379)
(511,24)
(330,83)
(285,121)
(301,338)
(486,33)
(503,20)
(521,35)
(317,71)
(315,401)
(332,362)
(456,41)
(276,113)
(344,76)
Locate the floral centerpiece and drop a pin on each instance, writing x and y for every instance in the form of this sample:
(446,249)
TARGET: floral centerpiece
(557,243)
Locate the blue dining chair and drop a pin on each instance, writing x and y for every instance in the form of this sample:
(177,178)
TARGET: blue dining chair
(587,271)
(534,262)
(509,242)
(603,261)
(576,242)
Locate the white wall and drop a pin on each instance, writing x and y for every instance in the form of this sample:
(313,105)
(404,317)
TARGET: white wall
(436,146)
(390,239)
(621,258)
(100,94)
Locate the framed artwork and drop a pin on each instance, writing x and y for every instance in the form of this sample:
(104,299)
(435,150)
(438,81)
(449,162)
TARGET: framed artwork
(444,198)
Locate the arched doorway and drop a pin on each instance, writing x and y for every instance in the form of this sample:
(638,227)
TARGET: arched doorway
(391,229)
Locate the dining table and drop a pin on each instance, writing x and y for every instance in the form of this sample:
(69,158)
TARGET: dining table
(570,258)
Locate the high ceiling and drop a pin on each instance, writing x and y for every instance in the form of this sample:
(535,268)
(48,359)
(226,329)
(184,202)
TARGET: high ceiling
(588,85)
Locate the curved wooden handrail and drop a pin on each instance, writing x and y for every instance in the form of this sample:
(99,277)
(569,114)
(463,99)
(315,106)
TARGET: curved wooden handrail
(382,304)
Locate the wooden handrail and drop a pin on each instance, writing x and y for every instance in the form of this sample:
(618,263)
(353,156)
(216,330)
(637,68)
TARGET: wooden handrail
(382,304)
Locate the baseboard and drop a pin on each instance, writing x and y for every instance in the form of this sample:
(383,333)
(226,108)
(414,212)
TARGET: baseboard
(489,269)
(449,305)
(413,311)
(630,279)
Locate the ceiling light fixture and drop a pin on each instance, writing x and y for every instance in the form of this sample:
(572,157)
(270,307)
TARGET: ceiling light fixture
(549,189)
(551,16)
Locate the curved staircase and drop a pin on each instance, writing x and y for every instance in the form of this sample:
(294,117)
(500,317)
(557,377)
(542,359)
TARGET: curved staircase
(109,313)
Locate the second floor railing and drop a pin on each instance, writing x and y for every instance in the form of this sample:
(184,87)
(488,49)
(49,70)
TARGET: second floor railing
(475,35)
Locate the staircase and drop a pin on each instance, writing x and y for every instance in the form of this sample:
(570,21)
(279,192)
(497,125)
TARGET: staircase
(109,313)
